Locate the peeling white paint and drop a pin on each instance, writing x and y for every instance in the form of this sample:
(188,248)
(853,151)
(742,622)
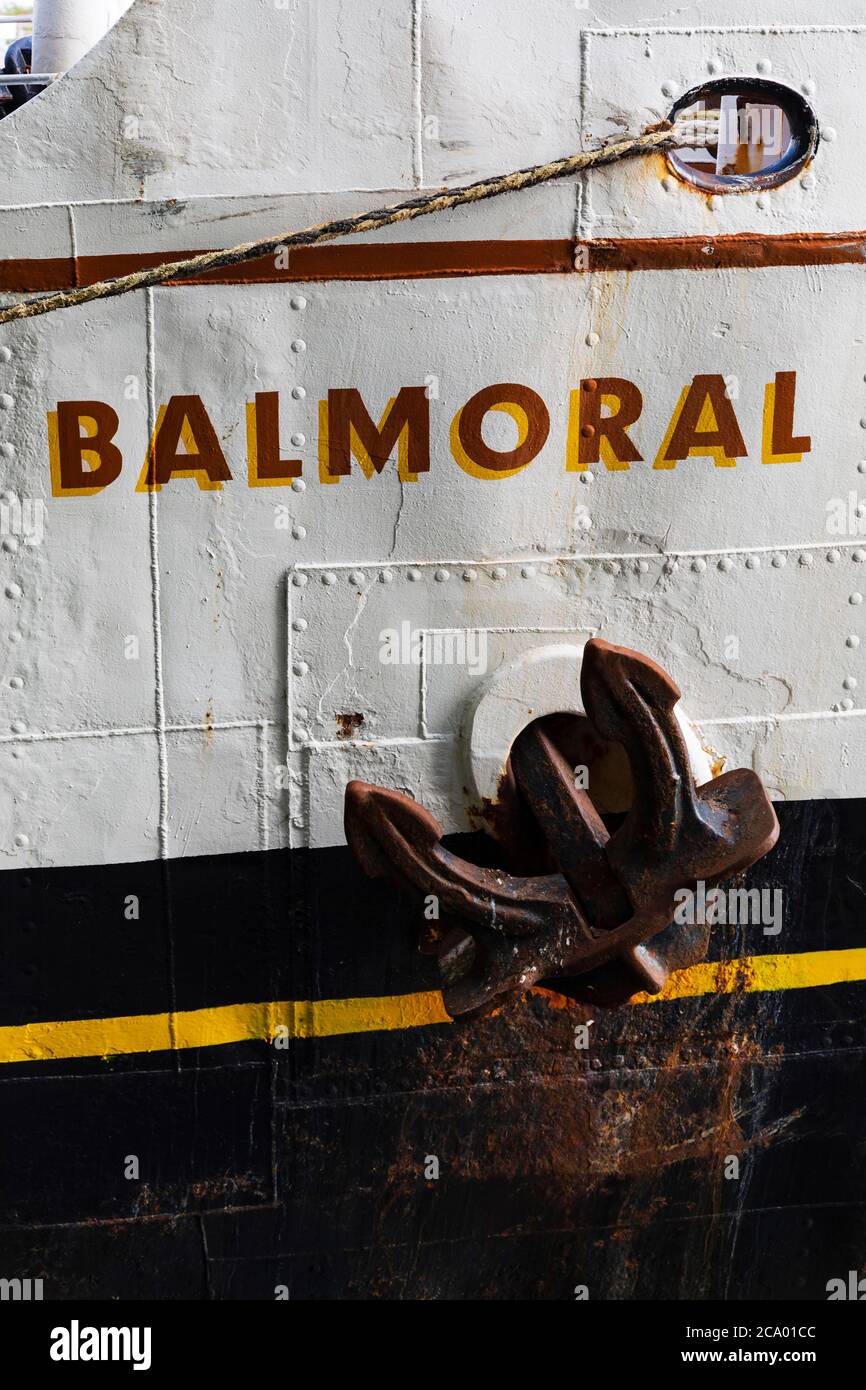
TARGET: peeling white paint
(190,127)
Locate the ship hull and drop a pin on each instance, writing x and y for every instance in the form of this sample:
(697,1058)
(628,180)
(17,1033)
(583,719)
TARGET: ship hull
(301,1166)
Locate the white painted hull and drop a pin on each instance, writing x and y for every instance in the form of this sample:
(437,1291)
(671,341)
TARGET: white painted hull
(209,740)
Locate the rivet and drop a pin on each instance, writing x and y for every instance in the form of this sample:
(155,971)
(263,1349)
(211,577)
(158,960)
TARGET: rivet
(13,590)
(853,640)
(469,576)
(670,566)
(356,578)
(499,572)
(778,562)
(592,340)
(301,668)
(808,87)
(298,485)
(699,566)
(642,567)
(764,65)
(855,599)
(299,533)
(763,202)
(808,181)
(6,402)
(299,393)
(298,822)
(589,384)
(7,451)
(715,66)
(299,581)
(806,560)
(5,354)
(612,567)
(858,556)
(587,477)
(16,637)
(10,544)
(414,576)
(385,576)
(669,183)
(828,133)
(861,467)
(726,563)
(329,578)
(527,572)
(298,301)
(669,88)
(302,712)
(302,735)
(299,440)
(19,727)
(441,576)
(16,683)
(849,683)
(22,842)
(847,704)
(300,624)
(753,562)
(299,345)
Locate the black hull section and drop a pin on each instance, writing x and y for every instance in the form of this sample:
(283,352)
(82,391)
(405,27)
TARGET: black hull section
(308,1168)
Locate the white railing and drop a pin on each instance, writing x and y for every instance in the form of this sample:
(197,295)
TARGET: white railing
(20,26)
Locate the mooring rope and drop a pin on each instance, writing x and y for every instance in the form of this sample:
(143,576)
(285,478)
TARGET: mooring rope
(661,137)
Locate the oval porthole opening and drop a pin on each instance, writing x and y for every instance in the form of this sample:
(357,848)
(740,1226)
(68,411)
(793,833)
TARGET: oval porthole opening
(749,134)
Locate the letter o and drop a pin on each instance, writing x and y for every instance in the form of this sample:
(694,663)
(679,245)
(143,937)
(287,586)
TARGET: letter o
(525,407)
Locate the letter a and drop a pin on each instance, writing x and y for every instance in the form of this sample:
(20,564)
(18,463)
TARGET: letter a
(703,425)
(184,420)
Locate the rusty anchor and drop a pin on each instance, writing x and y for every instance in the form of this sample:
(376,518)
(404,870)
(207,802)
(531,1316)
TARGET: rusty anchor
(585,927)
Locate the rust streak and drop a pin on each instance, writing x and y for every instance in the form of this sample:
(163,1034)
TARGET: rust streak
(348,725)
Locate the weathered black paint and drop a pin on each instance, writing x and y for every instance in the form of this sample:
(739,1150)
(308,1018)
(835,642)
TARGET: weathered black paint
(305,1167)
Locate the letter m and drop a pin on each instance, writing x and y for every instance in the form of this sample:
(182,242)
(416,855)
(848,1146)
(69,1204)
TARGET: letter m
(116,1344)
(746,904)
(347,429)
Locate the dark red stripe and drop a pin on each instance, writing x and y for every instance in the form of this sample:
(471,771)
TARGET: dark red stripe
(422,260)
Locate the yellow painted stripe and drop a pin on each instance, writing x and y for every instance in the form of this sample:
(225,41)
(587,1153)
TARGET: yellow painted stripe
(230,1023)
(753,974)
(328,1018)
